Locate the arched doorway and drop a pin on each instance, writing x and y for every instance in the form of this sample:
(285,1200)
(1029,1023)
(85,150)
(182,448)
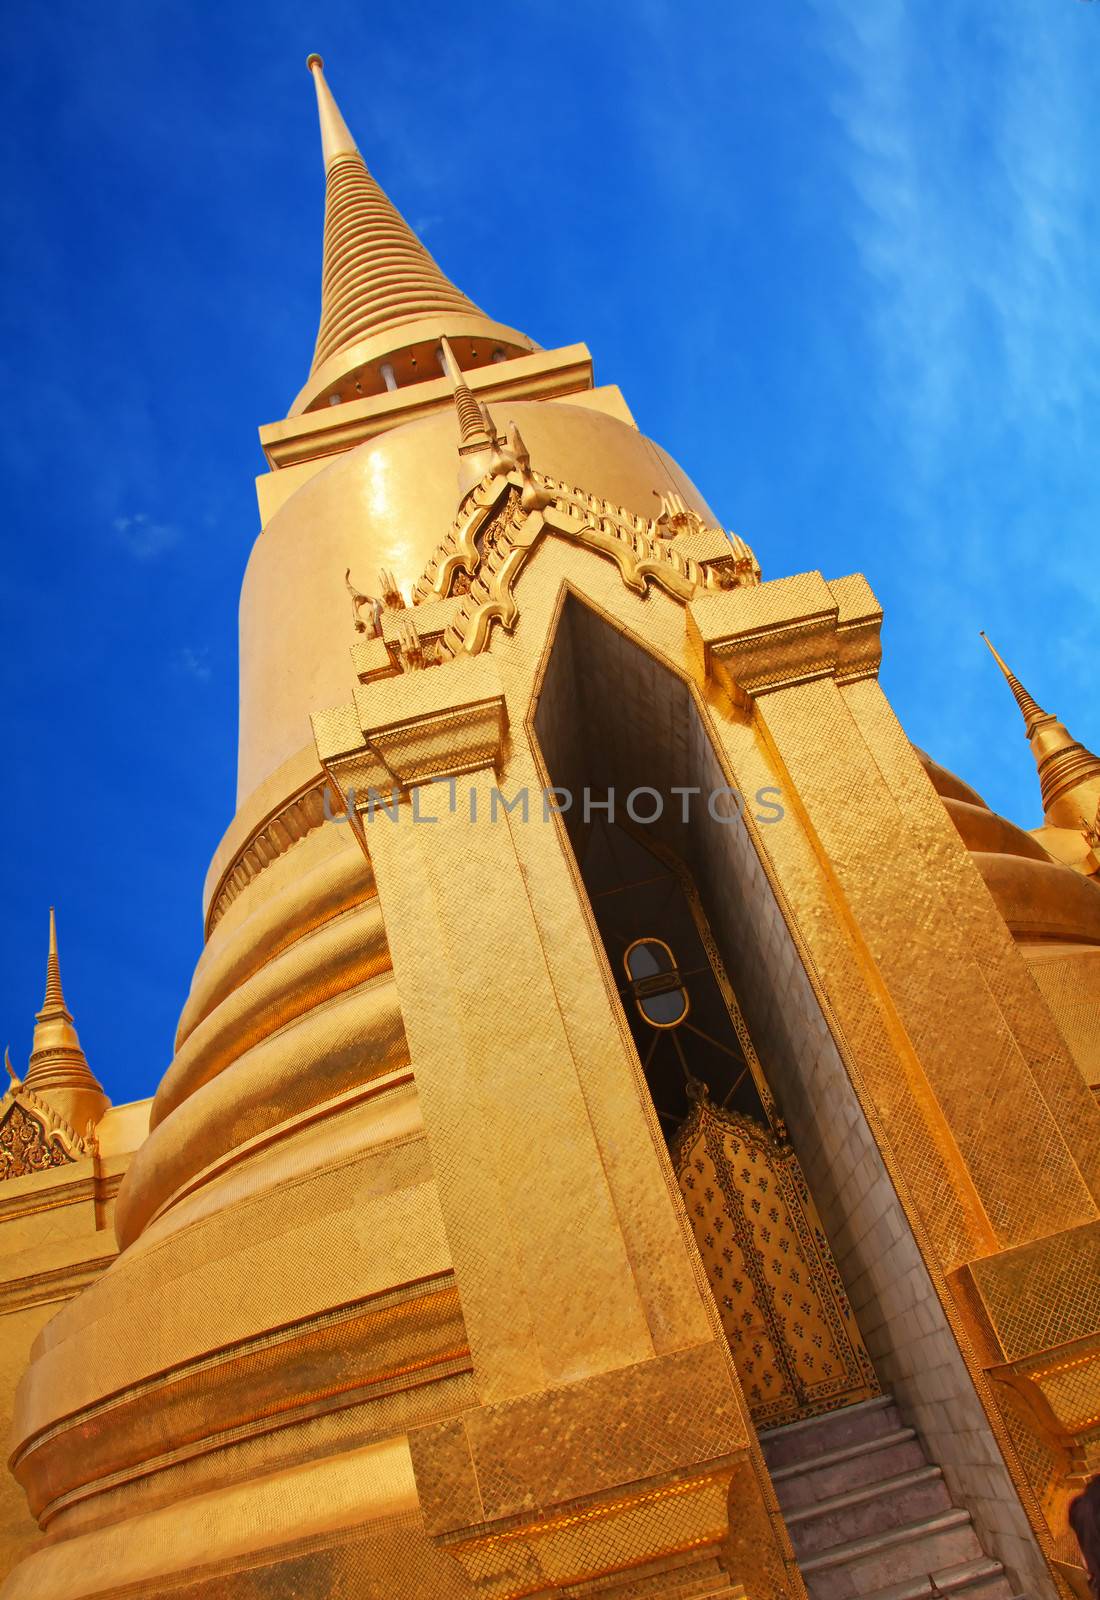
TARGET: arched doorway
(783,1308)
(611,722)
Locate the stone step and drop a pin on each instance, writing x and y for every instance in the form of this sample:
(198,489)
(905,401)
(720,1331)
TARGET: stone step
(839,1470)
(864,1566)
(833,1430)
(975,1580)
(896,1502)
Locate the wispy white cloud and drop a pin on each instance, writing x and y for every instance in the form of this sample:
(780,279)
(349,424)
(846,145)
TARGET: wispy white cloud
(972,190)
(967,139)
(145,538)
(194,662)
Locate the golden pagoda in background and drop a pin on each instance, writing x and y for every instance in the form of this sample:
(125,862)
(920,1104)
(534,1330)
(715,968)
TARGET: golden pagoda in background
(630,1132)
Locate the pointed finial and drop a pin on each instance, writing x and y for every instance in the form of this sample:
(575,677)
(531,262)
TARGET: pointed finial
(336,140)
(519,450)
(471,423)
(54,1014)
(1031,710)
(392,598)
(55,999)
(58,1069)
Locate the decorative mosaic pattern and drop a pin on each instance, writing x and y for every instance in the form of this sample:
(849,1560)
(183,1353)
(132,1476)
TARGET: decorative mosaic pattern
(25,1146)
(790,1328)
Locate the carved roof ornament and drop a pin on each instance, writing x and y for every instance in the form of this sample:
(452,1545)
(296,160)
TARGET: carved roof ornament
(414,651)
(371,625)
(675,518)
(505,513)
(392,598)
(27,1144)
(505,508)
(33,1137)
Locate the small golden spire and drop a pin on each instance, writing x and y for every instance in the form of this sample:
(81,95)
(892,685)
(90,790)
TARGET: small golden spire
(58,1069)
(471,422)
(54,997)
(1032,711)
(53,1025)
(1069,774)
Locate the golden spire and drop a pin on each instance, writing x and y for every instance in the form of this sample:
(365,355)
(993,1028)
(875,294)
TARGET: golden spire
(53,1025)
(1069,774)
(376,278)
(336,140)
(54,997)
(1031,710)
(58,1070)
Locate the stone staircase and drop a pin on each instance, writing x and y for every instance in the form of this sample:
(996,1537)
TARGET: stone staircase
(869,1517)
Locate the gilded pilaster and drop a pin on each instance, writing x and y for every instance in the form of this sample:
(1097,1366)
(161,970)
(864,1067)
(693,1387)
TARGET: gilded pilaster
(579,1293)
(976,1057)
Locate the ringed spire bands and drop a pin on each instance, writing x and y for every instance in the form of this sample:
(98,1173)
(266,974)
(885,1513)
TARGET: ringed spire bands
(381,291)
(58,1068)
(1069,773)
(1030,709)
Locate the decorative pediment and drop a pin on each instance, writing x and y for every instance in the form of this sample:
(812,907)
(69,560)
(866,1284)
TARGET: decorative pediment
(512,508)
(504,514)
(32,1137)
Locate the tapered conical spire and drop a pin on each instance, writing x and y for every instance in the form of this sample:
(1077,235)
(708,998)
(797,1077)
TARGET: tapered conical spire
(1030,709)
(377,279)
(336,139)
(54,998)
(1069,774)
(58,1069)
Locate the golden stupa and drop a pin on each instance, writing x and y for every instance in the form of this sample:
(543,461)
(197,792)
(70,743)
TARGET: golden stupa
(631,1131)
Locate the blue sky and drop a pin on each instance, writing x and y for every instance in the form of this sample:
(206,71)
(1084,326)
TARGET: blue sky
(841,256)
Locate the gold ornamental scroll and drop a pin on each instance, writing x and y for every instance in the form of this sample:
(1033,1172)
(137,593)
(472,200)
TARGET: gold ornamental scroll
(791,1330)
(25,1145)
